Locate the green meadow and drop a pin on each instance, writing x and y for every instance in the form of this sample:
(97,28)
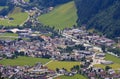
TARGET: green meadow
(11,36)
(62,64)
(26,0)
(116,61)
(22,61)
(18,16)
(73,77)
(63,16)
(112,58)
(1,7)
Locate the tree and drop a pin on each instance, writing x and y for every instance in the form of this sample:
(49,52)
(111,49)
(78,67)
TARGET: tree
(103,48)
(1,76)
(107,68)
(57,70)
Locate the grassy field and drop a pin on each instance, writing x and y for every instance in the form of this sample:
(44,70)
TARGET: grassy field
(1,7)
(19,18)
(21,61)
(26,0)
(112,58)
(74,77)
(61,17)
(11,36)
(114,66)
(116,61)
(62,64)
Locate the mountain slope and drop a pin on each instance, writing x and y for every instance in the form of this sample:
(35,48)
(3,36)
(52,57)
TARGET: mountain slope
(103,15)
(48,3)
(3,2)
(61,17)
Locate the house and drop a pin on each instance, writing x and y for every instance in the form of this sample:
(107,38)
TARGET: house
(100,55)
(106,62)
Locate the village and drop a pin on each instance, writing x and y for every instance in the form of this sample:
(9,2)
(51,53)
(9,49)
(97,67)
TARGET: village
(74,45)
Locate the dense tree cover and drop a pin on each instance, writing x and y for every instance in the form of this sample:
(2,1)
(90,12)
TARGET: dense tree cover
(48,3)
(115,50)
(3,2)
(5,10)
(103,15)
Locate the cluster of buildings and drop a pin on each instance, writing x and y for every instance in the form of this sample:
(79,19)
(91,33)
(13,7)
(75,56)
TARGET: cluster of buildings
(96,73)
(18,2)
(46,47)
(85,37)
(38,71)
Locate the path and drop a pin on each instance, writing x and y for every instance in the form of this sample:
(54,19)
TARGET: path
(48,63)
(25,20)
(95,60)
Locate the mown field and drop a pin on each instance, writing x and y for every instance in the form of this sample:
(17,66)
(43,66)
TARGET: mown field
(63,16)
(116,61)
(112,58)
(73,77)
(1,7)
(22,61)
(62,64)
(26,0)
(18,16)
(11,36)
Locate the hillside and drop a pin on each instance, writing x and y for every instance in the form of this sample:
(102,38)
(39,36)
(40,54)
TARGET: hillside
(3,2)
(1,7)
(48,3)
(61,17)
(102,15)
(18,17)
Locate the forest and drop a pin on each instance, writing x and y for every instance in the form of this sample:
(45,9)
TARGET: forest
(101,15)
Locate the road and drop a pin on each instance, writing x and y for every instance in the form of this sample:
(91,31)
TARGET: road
(96,60)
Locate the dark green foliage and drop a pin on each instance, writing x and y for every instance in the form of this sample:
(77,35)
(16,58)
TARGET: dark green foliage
(88,8)
(5,10)
(48,3)
(3,2)
(107,68)
(103,15)
(115,50)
